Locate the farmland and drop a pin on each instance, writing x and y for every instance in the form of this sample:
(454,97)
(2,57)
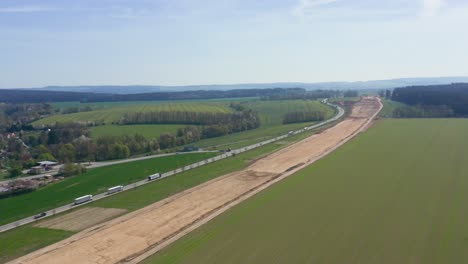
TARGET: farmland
(113,113)
(397,196)
(136,198)
(94,181)
(271,115)
(160,220)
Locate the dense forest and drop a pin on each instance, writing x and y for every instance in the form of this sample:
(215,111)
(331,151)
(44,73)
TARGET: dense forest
(433,101)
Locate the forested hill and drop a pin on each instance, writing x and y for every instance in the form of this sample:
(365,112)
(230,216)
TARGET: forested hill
(34,96)
(454,96)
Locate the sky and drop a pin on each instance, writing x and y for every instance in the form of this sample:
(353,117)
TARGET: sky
(184,42)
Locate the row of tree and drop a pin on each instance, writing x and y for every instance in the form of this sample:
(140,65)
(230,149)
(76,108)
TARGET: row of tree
(301,117)
(303,94)
(192,118)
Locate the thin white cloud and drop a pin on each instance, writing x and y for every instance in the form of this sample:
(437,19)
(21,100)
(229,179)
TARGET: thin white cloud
(25,9)
(305,7)
(432,7)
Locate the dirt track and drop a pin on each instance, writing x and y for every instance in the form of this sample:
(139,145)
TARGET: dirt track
(134,236)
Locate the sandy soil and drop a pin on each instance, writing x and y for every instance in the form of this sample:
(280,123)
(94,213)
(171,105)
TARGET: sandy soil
(81,219)
(134,236)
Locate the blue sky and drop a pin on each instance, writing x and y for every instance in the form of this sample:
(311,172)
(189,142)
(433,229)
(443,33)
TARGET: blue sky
(180,42)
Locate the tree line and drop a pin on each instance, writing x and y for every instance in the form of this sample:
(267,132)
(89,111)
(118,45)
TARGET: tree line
(439,100)
(35,96)
(240,120)
(302,94)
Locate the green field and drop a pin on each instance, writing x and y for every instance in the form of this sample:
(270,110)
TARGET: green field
(148,131)
(94,181)
(388,108)
(138,198)
(271,114)
(12,243)
(113,114)
(395,194)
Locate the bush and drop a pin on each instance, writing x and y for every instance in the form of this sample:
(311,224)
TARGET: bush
(71,169)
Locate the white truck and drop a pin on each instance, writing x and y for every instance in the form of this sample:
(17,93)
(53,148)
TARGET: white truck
(83,199)
(115,189)
(154,176)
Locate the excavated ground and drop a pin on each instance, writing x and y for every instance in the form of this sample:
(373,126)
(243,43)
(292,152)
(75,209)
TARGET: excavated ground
(132,237)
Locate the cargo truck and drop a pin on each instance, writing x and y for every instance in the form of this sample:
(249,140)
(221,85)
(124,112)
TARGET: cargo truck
(83,199)
(115,189)
(154,176)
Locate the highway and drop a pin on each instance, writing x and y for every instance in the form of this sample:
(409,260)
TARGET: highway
(339,113)
(97,164)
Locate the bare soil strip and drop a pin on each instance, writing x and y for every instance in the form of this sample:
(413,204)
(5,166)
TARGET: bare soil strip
(81,219)
(132,237)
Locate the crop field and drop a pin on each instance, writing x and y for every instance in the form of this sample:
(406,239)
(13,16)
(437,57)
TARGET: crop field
(135,199)
(395,194)
(111,115)
(94,181)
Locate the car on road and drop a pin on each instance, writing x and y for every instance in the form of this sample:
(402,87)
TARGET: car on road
(40,215)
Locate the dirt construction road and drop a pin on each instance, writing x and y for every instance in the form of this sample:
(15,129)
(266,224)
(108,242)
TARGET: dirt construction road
(134,236)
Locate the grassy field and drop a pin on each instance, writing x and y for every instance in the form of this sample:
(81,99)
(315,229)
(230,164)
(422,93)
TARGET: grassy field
(396,194)
(137,198)
(104,105)
(389,107)
(12,244)
(272,112)
(148,131)
(111,114)
(94,181)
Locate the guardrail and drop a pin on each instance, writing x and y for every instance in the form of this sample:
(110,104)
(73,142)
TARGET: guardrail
(31,219)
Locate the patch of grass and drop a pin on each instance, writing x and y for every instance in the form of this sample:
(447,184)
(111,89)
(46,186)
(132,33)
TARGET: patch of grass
(388,108)
(94,181)
(12,243)
(148,131)
(395,194)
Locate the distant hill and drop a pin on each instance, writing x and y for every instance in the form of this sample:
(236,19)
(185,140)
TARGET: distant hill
(378,84)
